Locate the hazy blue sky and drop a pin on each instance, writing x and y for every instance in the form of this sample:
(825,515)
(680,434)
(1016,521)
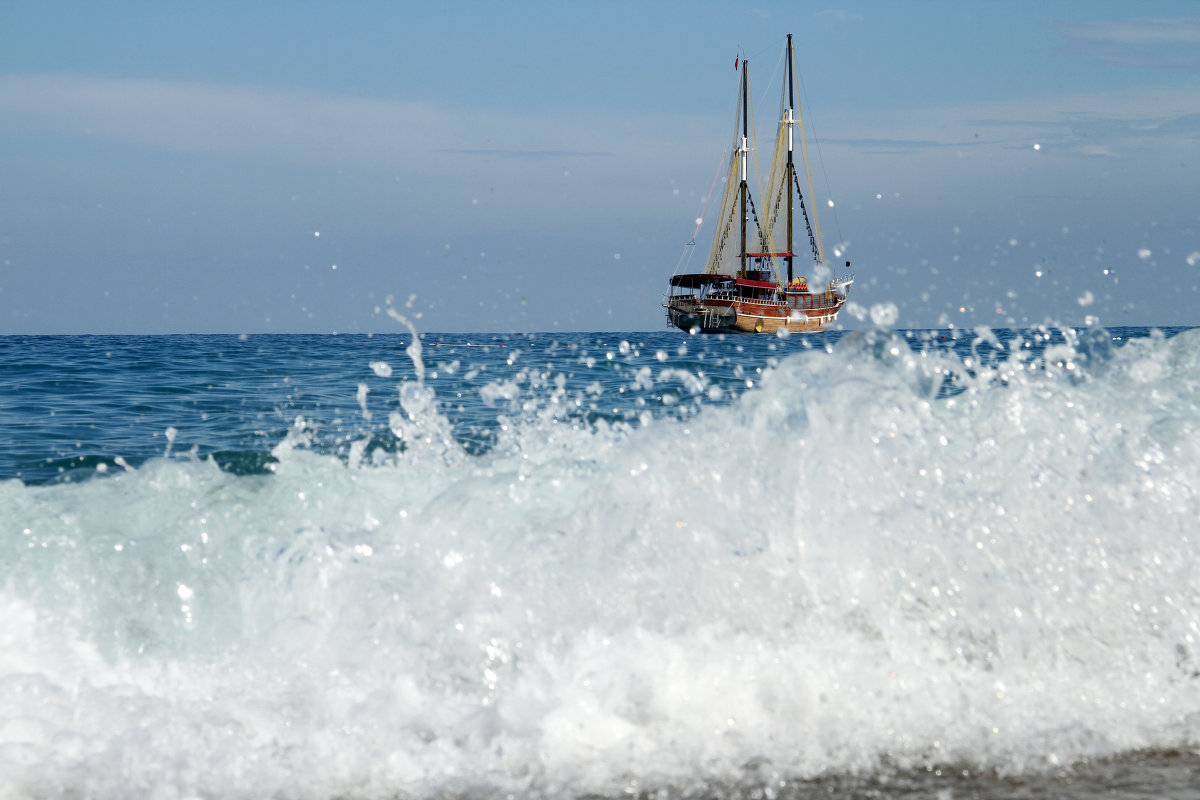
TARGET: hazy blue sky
(538,166)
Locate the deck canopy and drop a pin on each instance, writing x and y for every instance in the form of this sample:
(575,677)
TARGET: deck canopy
(695,280)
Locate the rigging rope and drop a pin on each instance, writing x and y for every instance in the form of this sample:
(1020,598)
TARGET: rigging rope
(708,198)
(812,239)
(820,159)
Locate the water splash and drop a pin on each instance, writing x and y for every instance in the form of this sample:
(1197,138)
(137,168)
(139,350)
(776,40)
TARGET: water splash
(845,570)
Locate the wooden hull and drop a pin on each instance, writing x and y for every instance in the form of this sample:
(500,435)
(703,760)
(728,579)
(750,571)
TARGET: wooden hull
(740,316)
(758,317)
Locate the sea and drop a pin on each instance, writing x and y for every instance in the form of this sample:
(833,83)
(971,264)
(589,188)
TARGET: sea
(882,563)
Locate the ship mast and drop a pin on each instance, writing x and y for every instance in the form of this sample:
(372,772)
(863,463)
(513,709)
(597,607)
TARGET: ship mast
(743,152)
(791,167)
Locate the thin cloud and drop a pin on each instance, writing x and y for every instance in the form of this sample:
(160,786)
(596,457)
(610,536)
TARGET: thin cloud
(1185,30)
(283,125)
(499,164)
(1126,126)
(211,119)
(1085,125)
(1153,42)
(530,154)
(898,145)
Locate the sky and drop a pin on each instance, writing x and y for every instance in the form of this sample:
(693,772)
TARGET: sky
(291,167)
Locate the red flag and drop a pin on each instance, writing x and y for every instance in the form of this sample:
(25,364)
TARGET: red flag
(735,63)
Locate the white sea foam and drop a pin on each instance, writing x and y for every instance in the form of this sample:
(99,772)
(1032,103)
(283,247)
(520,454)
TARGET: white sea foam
(838,570)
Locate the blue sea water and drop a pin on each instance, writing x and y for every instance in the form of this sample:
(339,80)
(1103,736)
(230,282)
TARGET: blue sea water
(869,564)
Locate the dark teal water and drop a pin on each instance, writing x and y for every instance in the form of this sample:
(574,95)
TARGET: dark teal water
(70,404)
(73,403)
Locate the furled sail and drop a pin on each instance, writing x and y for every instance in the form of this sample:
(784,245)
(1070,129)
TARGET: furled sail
(725,258)
(783,181)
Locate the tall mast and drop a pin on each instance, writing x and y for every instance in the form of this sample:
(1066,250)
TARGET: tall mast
(743,153)
(791,167)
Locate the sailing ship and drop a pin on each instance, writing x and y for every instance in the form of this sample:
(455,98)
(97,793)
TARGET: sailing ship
(750,283)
